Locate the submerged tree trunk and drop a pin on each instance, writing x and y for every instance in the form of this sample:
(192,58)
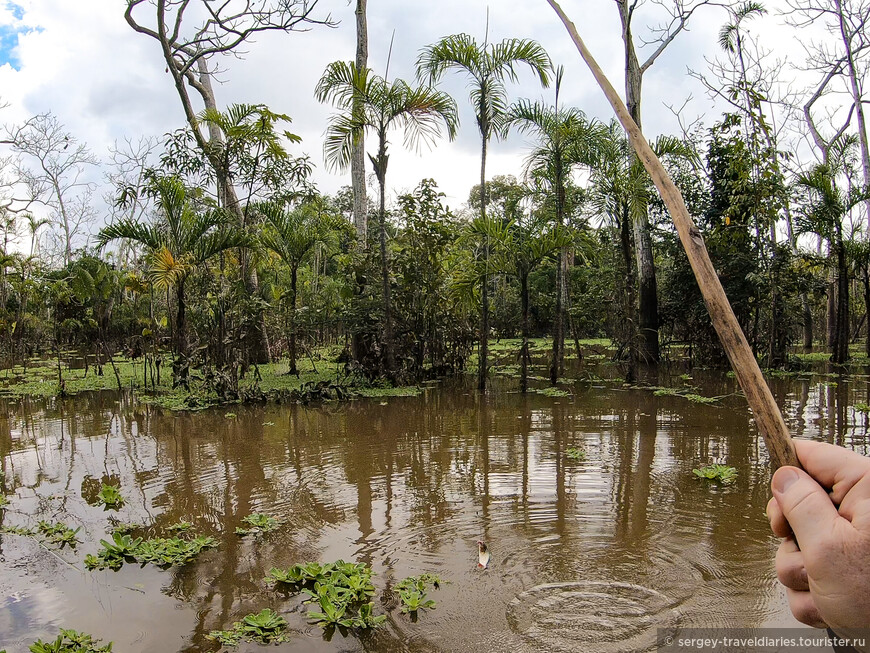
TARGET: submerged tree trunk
(630,334)
(648,308)
(294,271)
(524,351)
(484,290)
(380,165)
(357,162)
(557,364)
(840,349)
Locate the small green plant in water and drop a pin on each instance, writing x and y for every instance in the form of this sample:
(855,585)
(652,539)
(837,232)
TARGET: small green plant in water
(412,592)
(723,474)
(859,406)
(264,627)
(259,523)
(110,497)
(70,641)
(575,453)
(180,527)
(58,533)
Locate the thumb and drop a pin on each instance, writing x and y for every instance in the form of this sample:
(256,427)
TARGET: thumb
(805,505)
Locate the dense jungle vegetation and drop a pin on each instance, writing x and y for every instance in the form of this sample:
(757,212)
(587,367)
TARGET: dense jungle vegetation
(221,256)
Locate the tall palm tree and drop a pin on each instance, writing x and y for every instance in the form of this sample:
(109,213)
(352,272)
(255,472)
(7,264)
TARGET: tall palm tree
(565,138)
(182,239)
(487,66)
(293,235)
(371,103)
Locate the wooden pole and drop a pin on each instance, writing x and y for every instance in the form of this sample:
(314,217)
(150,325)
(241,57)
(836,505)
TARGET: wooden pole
(767,415)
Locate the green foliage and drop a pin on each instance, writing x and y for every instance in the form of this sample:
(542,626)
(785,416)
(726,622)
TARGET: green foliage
(110,497)
(861,407)
(264,627)
(259,523)
(70,641)
(720,473)
(575,454)
(58,533)
(341,590)
(163,552)
(180,527)
(412,592)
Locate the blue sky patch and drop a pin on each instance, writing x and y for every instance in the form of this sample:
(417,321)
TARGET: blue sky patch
(9,36)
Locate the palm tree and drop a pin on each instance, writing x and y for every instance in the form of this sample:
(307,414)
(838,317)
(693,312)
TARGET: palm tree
(293,235)
(565,139)
(371,103)
(181,240)
(824,214)
(488,67)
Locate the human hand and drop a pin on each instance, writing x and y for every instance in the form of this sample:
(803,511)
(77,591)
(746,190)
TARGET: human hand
(827,578)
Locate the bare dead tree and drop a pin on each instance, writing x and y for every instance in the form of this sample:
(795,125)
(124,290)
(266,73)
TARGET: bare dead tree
(842,62)
(51,164)
(675,19)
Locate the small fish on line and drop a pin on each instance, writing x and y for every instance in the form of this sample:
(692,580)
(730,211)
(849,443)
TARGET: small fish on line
(483,554)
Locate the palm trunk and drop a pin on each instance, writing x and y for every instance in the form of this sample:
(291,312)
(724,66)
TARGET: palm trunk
(840,353)
(293,279)
(524,352)
(484,290)
(357,162)
(557,364)
(381,172)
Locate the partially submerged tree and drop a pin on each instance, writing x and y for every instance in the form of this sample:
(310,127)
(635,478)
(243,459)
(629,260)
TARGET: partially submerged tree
(487,66)
(372,103)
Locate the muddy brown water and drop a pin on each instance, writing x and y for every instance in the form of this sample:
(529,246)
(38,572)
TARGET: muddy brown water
(588,555)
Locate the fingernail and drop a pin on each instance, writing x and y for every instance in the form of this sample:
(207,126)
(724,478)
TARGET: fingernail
(784,479)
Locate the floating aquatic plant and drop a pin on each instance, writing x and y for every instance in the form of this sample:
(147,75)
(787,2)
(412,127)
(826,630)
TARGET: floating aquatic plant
(58,533)
(163,552)
(264,627)
(259,523)
(341,590)
(723,474)
(412,592)
(575,453)
(70,641)
(110,497)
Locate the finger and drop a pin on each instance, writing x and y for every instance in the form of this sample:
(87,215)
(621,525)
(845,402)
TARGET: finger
(778,523)
(790,568)
(804,609)
(806,506)
(835,468)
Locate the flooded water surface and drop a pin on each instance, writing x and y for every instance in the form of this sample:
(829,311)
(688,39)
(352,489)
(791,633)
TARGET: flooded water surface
(589,553)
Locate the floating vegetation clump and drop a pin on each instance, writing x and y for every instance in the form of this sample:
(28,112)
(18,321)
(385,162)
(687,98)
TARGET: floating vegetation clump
(341,590)
(70,641)
(163,552)
(123,527)
(180,527)
(58,534)
(694,398)
(575,453)
(859,406)
(553,392)
(723,474)
(412,592)
(258,523)
(264,627)
(110,497)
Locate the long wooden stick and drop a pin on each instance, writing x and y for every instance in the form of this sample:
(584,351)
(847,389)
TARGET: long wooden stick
(767,414)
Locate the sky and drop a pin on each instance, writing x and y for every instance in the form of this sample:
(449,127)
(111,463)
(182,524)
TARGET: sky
(81,61)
